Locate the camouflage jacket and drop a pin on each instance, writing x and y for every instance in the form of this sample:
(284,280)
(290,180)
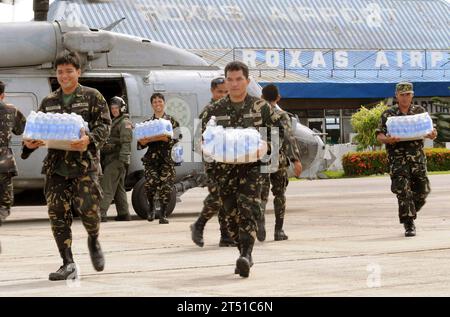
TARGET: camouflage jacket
(118,146)
(252,113)
(399,149)
(161,151)
(11,121)
(289,151)
(91,105)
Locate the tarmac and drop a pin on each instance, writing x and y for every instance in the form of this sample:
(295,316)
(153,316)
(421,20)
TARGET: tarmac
(344,240)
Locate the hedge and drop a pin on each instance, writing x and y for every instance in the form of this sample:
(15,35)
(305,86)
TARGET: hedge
(375,162)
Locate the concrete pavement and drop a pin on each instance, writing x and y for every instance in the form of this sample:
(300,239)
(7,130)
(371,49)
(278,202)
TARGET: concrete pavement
(344,240)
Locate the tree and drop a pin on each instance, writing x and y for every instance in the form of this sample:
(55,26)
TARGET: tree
(365,122)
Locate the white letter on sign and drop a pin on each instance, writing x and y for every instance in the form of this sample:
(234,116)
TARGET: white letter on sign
(272,59)
(249,58)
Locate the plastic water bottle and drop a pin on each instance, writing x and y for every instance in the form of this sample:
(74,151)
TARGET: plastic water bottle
(177,154)
(37,129)
(51,127)
(208,135)
(137,131)
(30,126)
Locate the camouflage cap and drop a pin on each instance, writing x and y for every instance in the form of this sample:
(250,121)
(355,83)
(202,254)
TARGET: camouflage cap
(404,88)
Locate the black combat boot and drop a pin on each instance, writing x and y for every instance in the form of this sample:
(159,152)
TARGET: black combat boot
(197,231)
(279,233)
(225,239)
(4,213)
(68,270)
(151,211)
(236,270)
(245,261)
(410,228)
(261,230)
(163,215)
(95,251)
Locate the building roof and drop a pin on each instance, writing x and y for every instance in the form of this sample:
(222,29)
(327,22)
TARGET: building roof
(224,30)
(200,24)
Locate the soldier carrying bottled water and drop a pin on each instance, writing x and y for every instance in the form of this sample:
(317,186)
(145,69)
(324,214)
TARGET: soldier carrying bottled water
(407,161)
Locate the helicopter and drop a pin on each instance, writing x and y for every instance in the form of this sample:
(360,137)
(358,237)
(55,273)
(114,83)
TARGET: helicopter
(120,65)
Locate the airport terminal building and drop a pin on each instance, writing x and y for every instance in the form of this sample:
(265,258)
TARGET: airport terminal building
(328,57)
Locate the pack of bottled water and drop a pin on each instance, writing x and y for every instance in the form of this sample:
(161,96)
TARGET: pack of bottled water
(54,126)
(177,154)
(412,127)
(153,128)
(231,145)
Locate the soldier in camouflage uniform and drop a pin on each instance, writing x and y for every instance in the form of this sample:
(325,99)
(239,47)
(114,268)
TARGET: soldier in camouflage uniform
(240,184)
(407,161)
(115,156)
(289,152)
(72,176)
(212,204)
(11,121)
(159,166)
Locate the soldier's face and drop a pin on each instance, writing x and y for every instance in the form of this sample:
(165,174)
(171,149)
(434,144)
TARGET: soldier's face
(67,76)
(115,111)
(237,83)
(219,92)
(2,96)
(404,99)
(158,105)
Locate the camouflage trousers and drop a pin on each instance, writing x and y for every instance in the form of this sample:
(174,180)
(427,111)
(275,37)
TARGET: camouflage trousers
(66,195)
(6,195)
(279,181)
(212,205)
(159,180)
(411,185)
(113,185)
(240,193)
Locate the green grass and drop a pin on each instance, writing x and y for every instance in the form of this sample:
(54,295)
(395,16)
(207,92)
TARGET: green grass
(334,174)
(439,173)
(340,174)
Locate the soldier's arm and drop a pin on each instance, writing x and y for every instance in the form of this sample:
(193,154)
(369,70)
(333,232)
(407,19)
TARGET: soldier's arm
(100,123)
(126,136)
(19,123)
(271,119)
(292,151)
(198,134)
(177,136)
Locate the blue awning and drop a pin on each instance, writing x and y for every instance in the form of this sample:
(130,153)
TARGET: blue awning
(357,90)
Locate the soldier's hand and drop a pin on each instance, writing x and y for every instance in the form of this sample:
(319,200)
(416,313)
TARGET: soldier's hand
(298,168)
(144,141)
(33,144)
(81,144)
(164,138)
(391,140)
(432,135)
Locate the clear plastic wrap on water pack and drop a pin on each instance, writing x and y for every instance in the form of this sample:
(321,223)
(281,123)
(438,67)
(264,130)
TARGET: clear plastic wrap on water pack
(57,130)
(153,128)
(232,145)
(414,127)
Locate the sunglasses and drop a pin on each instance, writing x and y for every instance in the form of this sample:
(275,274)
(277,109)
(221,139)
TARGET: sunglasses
(218,81)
